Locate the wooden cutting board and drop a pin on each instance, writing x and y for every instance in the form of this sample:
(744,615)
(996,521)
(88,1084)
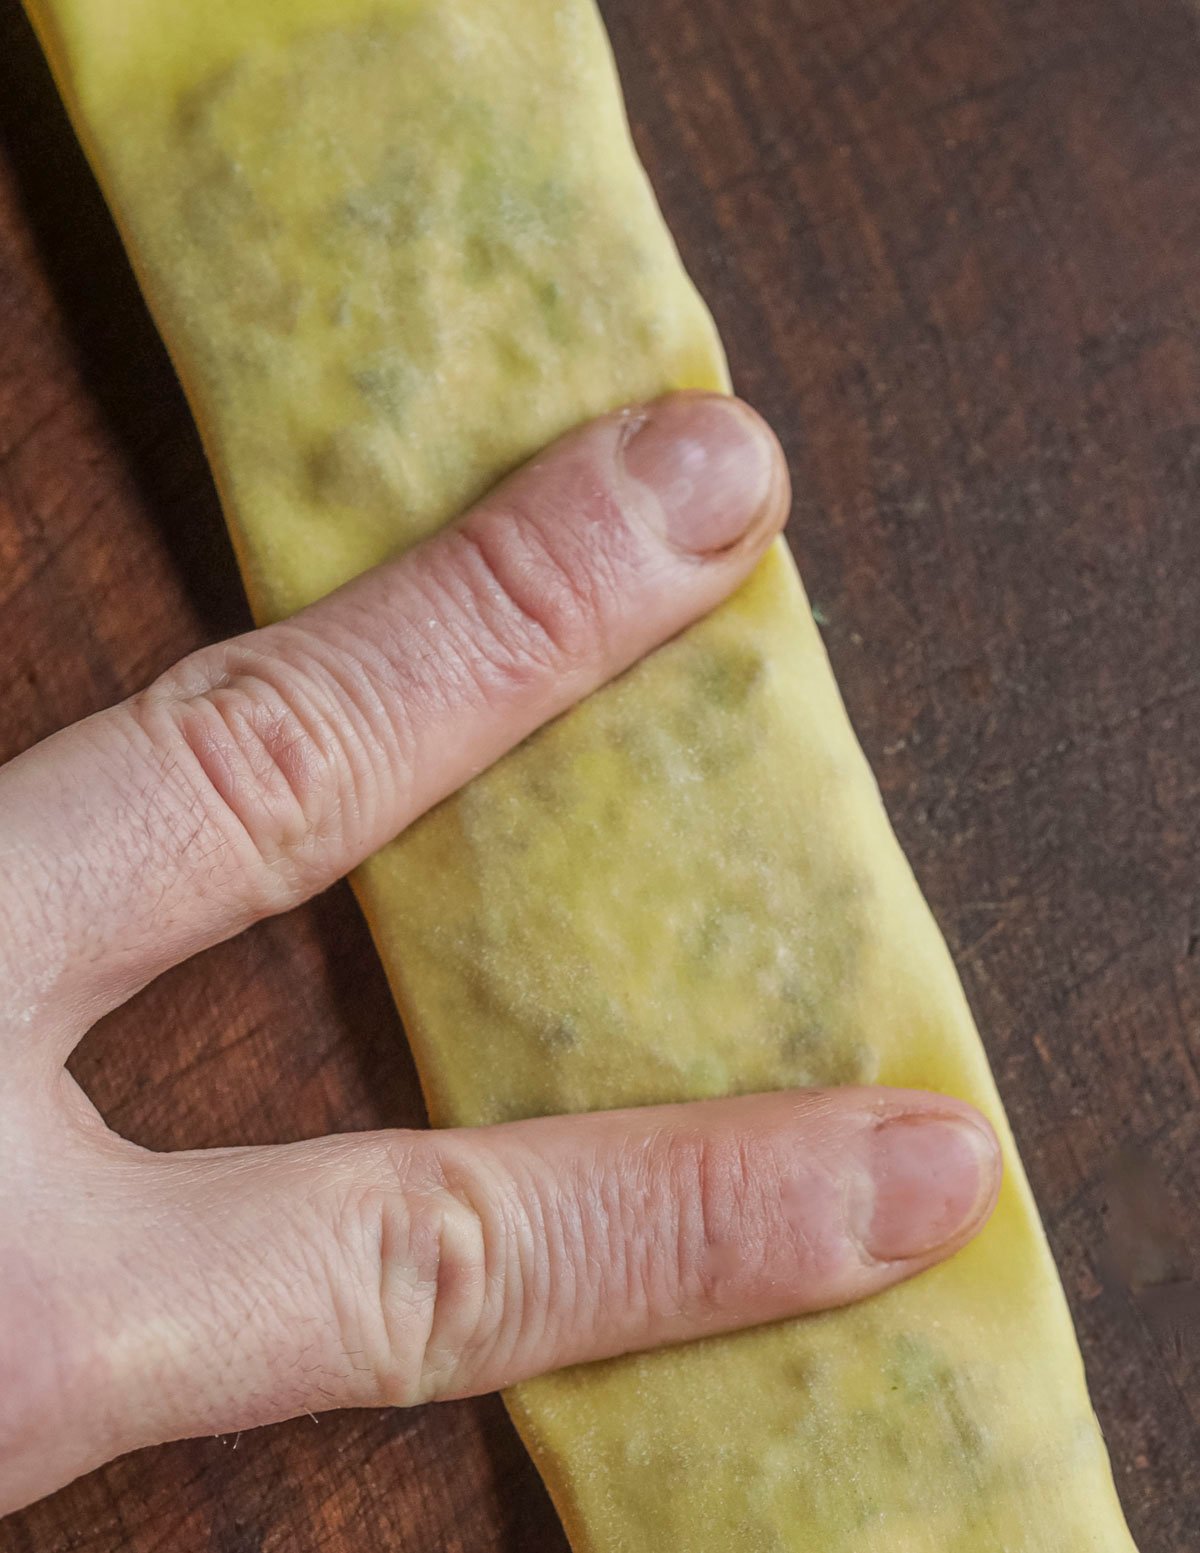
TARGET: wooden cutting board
(953,252)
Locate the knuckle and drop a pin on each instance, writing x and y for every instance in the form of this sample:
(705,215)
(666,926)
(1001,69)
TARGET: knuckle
(541,589)
(723,1187)
(443,1294)
(262,747)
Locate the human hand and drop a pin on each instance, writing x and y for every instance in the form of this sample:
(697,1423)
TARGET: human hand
(149,1296)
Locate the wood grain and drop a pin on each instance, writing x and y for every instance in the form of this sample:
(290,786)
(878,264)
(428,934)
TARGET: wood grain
(952,249)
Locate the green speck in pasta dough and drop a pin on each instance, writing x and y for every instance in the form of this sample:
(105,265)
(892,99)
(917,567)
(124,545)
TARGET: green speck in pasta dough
(560,1034)
(514,357)
(482,258)
(386,380)
(729,675)
(923,1377)
(816,1058)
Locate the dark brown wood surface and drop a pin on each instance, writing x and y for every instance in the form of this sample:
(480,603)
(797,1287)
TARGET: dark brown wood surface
(954,250)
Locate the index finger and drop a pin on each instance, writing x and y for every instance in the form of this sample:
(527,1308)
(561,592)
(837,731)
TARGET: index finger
(258,771)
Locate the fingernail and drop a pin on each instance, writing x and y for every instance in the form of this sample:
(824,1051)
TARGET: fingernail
(935,1178)
(712,466)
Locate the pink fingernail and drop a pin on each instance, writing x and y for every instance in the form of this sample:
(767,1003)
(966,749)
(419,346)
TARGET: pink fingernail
(935,1180)
(713,467)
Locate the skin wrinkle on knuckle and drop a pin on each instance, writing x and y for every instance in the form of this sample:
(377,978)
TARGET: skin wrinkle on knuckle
(547,1229)
(195,754)
(628,1231)
(522,1276)
(617,1229)
(421,655)
(426,1251)
(729,1219)
(369,654)
(542,576)
(454,662)
(582,1260)
(491,647)
(271,752)
(232,756)
(579,1252)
